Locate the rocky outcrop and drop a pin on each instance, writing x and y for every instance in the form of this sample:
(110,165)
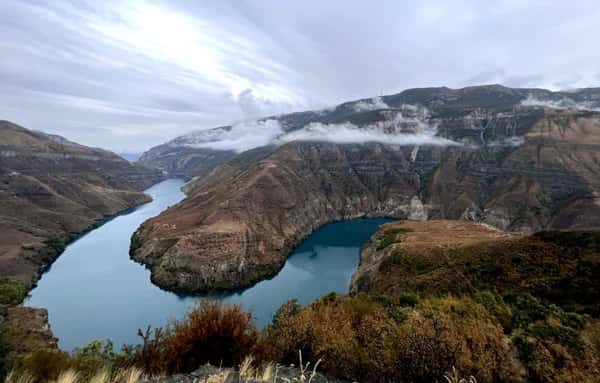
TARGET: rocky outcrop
(27,329)
(51,189)
(481,154)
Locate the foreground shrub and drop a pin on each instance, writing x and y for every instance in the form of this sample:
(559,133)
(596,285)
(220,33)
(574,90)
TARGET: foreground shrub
(46,365)
(359,338)
(210,333)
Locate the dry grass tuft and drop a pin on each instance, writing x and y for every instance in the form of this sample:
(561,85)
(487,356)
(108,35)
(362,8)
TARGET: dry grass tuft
(130,375)
(246,369)
(454,377)
(13,377)
(221,377)
(268,373)
(102,376)
(69,376)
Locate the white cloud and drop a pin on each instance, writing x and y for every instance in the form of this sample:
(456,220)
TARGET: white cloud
(348,133)
(396,130)
(241,137)
(563,103)
(253,106)
(374,103)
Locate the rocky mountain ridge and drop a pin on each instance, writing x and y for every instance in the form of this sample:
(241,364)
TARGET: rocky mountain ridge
(197,153)
(478,153)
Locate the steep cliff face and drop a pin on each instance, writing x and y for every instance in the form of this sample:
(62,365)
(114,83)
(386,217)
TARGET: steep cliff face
(476,154)
(51,189)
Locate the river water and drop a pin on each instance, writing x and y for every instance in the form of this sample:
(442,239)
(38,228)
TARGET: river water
(95,291)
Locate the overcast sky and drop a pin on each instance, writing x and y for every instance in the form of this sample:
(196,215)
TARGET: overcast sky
(127,75)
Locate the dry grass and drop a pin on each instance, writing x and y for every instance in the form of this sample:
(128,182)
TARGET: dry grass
(248,373)
(13,377)
(130,375)
(454,377)
(69,376)
(104,375)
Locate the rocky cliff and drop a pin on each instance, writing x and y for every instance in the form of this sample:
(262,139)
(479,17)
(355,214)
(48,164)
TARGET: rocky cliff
(51,189)
(518,159)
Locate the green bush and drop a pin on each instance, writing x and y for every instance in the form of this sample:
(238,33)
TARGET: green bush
(46,365)
(11,292)
(391,236)
(56,243)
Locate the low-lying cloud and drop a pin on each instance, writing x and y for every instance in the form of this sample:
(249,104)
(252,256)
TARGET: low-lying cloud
(374,103)
(348,133)
(397,130)
(563,103)
(239,137)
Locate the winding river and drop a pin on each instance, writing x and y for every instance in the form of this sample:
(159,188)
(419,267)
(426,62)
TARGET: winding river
(94,291)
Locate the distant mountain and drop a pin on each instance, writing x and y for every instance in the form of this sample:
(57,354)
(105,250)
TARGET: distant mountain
(131,157)
(518,159)
(197,153)
(51,189)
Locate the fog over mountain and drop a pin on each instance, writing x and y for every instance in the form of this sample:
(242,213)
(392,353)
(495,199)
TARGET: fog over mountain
(128,75)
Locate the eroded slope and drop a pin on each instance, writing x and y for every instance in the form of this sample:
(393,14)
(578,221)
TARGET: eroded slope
(51,189)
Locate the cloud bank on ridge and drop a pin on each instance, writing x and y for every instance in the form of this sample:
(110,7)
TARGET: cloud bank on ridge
(397,130)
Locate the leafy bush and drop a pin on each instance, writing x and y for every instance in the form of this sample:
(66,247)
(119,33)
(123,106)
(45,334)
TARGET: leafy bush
(57,244)
(390,236)
(46,365)
(496,306)
(11,292)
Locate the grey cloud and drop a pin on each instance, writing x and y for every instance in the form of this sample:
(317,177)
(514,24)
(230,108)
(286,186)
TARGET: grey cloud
(524,81)
(486,77)
(130,74)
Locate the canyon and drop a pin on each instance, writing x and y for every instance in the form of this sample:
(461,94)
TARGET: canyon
(517,159)
(52,190)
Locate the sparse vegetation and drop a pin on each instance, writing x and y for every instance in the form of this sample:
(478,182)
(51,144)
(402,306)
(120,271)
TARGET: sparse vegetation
(11,292)
(556,267)
(360,338)
(391,236)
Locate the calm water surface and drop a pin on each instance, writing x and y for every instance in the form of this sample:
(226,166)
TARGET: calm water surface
(94,291)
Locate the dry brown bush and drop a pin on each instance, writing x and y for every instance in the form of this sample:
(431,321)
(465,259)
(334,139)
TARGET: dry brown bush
(356,338)
(210,333)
